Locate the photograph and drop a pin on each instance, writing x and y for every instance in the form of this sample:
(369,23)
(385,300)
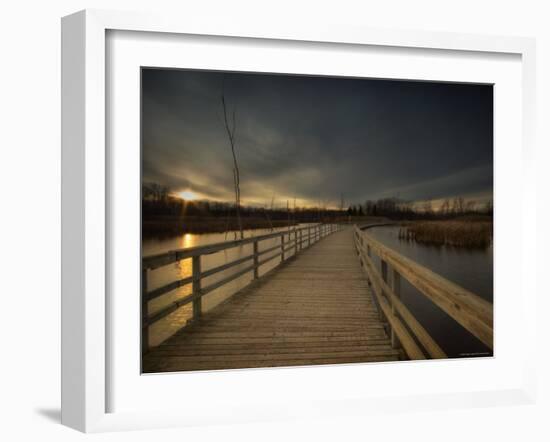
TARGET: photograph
(301,220)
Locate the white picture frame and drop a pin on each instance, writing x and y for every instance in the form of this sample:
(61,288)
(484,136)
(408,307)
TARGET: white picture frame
(85,202)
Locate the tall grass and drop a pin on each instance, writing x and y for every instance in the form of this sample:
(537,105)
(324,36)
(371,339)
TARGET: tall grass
(458,233)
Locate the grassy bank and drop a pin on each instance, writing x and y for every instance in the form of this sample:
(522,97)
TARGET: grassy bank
(165,226)
(467,233)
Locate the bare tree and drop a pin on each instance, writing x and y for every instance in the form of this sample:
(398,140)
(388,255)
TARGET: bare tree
(236,175)
(458,205)
(445,207)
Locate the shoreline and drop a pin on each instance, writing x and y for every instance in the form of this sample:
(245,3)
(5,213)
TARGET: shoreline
(163,227)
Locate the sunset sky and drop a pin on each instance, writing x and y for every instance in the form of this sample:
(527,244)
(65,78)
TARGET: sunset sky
(315,138)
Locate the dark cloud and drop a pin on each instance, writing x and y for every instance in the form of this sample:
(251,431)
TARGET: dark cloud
(317,137)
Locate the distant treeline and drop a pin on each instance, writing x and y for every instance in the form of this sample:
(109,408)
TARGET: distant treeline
(394,208)
(158,202)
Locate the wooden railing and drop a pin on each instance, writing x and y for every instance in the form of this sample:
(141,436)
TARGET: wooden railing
(469,310)
(292,241)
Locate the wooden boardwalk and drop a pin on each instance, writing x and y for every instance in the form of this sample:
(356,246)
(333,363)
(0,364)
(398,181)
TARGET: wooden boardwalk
(316,308)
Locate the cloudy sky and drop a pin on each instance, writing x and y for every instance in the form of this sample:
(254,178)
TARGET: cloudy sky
(315,138)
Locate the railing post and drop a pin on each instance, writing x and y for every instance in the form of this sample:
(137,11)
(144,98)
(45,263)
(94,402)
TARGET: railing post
(144,313)
(256,265)
(309,236)
(384,273)
(295,242)
(396,289)
(301,245)
(282,247)
(197,301)
(384,270)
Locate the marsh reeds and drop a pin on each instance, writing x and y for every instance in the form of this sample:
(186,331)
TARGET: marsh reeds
(457,233)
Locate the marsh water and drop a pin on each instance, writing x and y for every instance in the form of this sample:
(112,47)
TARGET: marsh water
(469,268)
(167,326)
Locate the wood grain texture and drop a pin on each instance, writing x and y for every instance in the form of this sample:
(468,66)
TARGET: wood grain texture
(314,309)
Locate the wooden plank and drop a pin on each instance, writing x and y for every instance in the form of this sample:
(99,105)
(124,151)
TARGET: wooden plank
(158,365)
(221,351)
(222,267)
(168,287)
(256,263)
(336,342)
(197,303)
(172,307)
(297,325)
(186,347)
(225,280)
(200,340)
(144,312)
(275,356)
(265,333)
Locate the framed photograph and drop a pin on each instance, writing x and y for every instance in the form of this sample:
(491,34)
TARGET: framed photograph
(272,219)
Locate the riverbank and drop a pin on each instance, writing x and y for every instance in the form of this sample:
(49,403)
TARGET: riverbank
(474,233)
(166,226)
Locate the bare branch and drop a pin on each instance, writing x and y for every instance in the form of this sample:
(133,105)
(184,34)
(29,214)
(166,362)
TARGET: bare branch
(236,175)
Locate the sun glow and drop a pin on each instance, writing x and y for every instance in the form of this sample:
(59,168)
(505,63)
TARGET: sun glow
(188,195)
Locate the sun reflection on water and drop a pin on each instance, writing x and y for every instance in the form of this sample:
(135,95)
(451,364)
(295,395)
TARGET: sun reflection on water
(188,240)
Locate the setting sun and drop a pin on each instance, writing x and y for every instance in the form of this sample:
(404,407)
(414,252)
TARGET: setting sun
(188,195)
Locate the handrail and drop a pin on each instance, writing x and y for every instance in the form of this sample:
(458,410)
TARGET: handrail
(162,259)
(471,311)
(297,238)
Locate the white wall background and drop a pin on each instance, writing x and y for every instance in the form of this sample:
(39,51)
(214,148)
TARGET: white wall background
(30,214)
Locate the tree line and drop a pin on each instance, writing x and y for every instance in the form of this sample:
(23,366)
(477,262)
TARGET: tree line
(395,208)
(158,201)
